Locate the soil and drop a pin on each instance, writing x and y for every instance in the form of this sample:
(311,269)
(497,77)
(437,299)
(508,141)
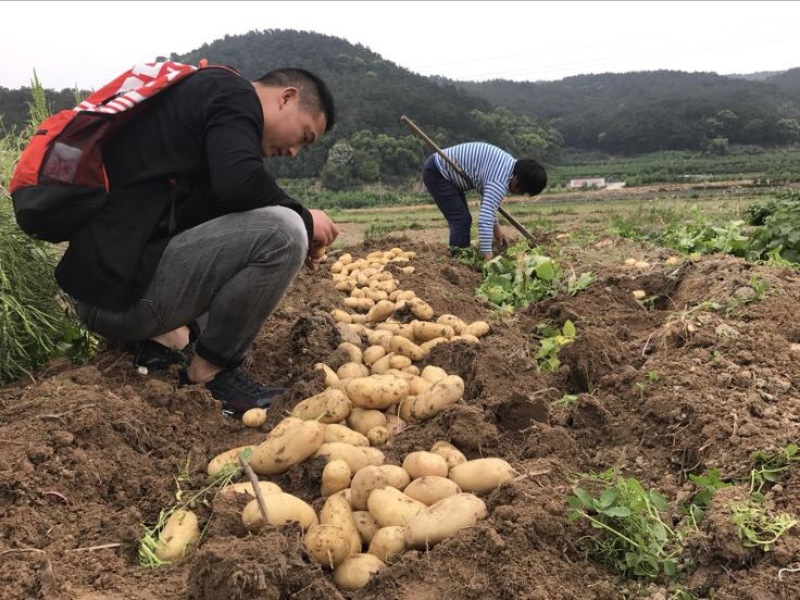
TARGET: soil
(664,388)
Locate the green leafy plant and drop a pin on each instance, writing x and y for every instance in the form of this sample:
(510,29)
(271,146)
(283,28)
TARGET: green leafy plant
(186,498)
(757,528)
(708,483)
(632,536)
(768,467)
(780,230)
(551,341)
(515,282)
(566,400)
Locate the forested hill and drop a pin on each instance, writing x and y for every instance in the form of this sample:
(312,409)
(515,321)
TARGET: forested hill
(628,113)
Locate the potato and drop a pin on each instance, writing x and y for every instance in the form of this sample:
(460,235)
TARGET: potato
(339,315)
(335,432)
(330,375)
(407,331)
(405,410)
(181,531)
(359,304)
(411,369)
(453,321)
(372,354)
(429,489)
(356,570)
(421,463)
(376,391)
(382,310)
(443,520)
(229,457)
(354,456)
(418,384)
(398,361)
(337,511)
(378,436)
(329,406)
(431,344)
(366,525)
(476,328)
(335,477)
(421,309)
(482,474)
(255,417)
(364,419)
(387,543)
(406,347)
(379,337)
(390,506)
(349,332)
(282,508)
(394,425)
(246,487)
(352,351)
(396,476)
(364,481)
(452,455)
(351,370)
(436,398)
(287,446)
(433,373)
(466,337)
(328,545)
(382,365)
(374,456)
(425,331)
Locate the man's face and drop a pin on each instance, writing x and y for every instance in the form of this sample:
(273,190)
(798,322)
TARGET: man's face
(288,127)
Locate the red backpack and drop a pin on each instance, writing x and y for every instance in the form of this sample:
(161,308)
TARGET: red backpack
(60,181)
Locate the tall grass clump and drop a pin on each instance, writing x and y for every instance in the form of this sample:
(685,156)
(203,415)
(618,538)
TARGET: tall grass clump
(35,323)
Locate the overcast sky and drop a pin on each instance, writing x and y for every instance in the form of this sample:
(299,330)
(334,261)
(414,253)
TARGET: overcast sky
(86,44)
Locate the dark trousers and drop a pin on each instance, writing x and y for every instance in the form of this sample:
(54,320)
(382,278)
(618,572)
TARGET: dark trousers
(450,200)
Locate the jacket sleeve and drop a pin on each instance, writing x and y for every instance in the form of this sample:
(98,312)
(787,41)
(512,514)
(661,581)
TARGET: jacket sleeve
(233,124)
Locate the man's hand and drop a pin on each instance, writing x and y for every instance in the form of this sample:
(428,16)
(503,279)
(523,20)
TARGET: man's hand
(325,232)
(501,240)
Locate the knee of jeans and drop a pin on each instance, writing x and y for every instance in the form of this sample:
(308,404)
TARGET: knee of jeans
(296,237)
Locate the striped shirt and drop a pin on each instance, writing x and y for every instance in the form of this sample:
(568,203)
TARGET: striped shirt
(490,170)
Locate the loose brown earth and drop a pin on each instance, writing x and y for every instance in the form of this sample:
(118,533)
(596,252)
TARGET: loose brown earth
(89,454)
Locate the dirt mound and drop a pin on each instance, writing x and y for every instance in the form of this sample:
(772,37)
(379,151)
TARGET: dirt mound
(700,374)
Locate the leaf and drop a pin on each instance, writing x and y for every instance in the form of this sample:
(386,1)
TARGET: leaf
(569,329)
(617,511)
(607,498)
(584,497)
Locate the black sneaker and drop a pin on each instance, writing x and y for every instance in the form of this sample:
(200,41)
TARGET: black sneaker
(237,391)
(154,357)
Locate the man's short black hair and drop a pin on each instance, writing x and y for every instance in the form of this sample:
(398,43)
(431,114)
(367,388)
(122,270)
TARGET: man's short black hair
(531,176)
(320,98)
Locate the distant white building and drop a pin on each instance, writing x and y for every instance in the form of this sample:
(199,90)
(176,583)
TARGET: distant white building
(595,182)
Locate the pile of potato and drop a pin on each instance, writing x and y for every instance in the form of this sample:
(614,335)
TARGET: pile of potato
(373,511)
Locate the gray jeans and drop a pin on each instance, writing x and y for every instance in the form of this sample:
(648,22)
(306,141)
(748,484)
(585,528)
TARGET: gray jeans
(230,272)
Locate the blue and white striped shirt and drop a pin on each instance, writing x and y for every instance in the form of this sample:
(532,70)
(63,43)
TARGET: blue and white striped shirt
(490,170)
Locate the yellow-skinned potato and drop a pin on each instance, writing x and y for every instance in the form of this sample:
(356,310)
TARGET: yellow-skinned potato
(382,310)
(372,354)
(339,315)
(358,292)
(452,455)
(443,520)
(378,436)
(374,456)
(429,489)
(431,344)
(398,361)
(403,345)
(364,419)
(379,337)
(381,366)
(366,525)
(346,258)
(425,331)
(350,332)
(229,457)
(432,373)
(390,506)
(411,370)
(422,463)
(405,410)
(351,370)
(337,267)
(246,487)
(476,328)
(329,406)
(336,432)
(421,309)
(394,425)
(356,570)
(335,478)
(453,321)
(360,304)
(418,384)
(352,351)
(328,545)
(354,456)
(482,474)
(377,391)
(282,508)
(387,543)
(337,511)
(406,296)
(330,375)
(396,476)
(406,330)
(466,337)
(287,446)
(180,532)
(255,417)
(364,481)
(378,296)
(436,398)
(388,326)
